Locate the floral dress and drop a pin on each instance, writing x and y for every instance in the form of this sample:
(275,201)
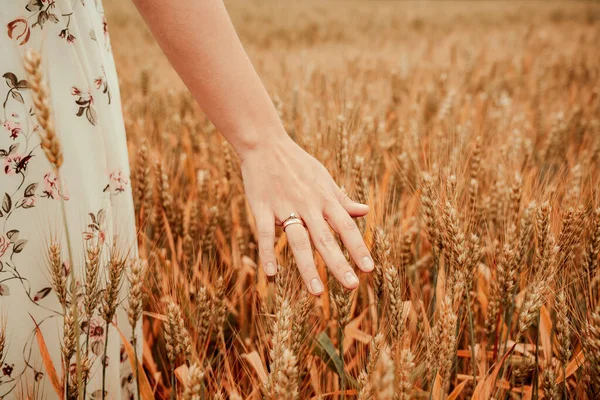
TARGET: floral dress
(88,201)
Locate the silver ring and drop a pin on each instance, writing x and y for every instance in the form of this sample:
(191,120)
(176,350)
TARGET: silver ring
(292,219)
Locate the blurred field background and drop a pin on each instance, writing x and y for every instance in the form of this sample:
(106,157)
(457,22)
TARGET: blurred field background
(471,128)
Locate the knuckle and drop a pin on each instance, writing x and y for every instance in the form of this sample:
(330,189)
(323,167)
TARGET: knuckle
(327,239)
(301,243)
(331,203)
(349,226)
(305,267)
(266,251)
(341,265)
(265,234)
(361,250)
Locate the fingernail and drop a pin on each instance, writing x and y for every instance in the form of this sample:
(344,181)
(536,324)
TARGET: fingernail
(271,270)
(316,285)
(351,278)
(367,264)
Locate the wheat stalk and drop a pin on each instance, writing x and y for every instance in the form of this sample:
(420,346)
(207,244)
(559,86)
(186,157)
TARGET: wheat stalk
(41,101)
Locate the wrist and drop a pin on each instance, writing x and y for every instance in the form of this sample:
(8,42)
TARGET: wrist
(257,140)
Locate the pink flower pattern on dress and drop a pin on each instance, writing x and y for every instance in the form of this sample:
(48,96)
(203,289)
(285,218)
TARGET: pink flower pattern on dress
(85,101)
(11,163)
(13,128)
(52,188)
(118,182)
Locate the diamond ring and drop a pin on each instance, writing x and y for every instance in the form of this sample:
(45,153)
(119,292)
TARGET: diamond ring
(292,219)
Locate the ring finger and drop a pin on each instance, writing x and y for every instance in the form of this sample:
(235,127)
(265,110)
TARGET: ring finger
(301,249)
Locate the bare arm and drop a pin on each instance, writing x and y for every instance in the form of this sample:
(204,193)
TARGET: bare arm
(279,177)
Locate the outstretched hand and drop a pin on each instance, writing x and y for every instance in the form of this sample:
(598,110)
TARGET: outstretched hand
(281,178)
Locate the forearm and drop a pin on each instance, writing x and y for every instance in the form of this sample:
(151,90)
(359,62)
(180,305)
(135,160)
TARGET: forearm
(199,40)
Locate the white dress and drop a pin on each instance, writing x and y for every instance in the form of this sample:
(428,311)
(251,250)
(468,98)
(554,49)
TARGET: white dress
(93,184)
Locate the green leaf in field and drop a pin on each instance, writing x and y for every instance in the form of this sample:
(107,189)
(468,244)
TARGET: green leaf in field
(327,352)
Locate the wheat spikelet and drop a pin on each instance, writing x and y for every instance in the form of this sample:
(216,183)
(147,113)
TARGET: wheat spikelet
(209,233)
(286,381)
(569,238)
(382,379)
(515,194)
(69,339)
(395,303)
(454,239)
(473,191)
(41,101)
(474,253)
(496,203)
(549,386)
(429,210)
(141,180)
(110,299)
(590,257)
(544,238)
(591,347)
(342,154)
(283,361)
(193,386)
(406,241)
(531,305)
(342,297)
(189,252)
(230,174)
(404,366)
(177,224)
(365,389)
(475,162)
(203,313)
(282,330)
(300,329)
(172,332)
(92,269)
(220,307)
(456,286)
(493,310)
(506,276)
(451,184)
(164,194)
(183,337)
(361,184)
(136,275)
(58,277)
(381,252)
(574,190)
(525,230)
(446,340)
(343,303)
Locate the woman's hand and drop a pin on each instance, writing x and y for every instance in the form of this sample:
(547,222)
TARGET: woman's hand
(281,178)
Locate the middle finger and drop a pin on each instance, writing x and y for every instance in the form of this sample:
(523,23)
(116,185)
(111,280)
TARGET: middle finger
(330,251)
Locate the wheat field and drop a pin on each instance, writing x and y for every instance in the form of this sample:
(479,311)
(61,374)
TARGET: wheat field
(473,132)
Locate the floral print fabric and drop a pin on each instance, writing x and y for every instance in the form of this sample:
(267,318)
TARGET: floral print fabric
(92,186)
